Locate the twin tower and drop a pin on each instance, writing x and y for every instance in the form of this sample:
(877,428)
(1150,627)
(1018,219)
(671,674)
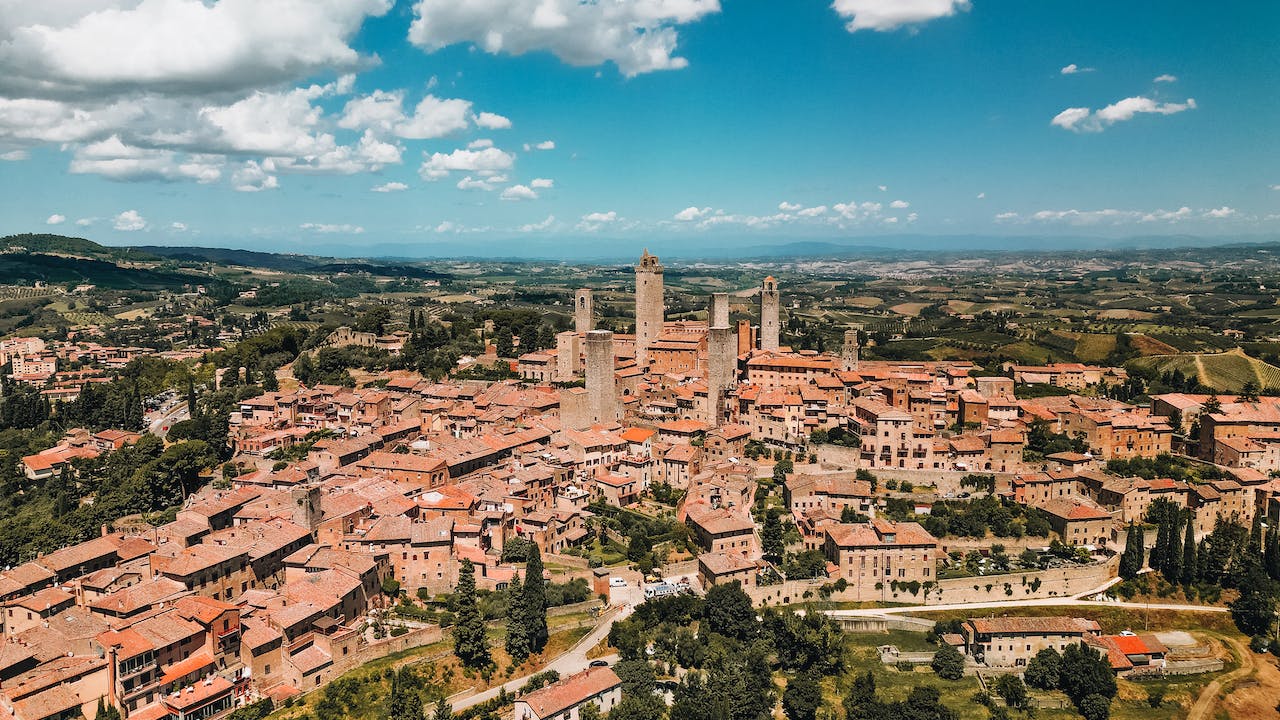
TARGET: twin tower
(723,341)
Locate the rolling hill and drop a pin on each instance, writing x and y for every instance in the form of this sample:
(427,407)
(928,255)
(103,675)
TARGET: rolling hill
(1226,371)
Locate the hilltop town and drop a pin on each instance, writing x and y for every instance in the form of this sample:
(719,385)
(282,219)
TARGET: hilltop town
(213,512)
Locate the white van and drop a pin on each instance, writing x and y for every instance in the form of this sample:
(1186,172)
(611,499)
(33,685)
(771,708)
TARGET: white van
(617,582)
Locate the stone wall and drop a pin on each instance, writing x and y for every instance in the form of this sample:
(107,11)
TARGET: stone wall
(947,481)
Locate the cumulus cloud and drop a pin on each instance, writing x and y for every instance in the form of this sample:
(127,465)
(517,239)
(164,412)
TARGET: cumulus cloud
(380,110)
(492,121)
(435,118)
(486,184)
(254,177)
(542,183)
(544,145)
(885,15)
(1166,78)
(129,221)
(390,187)
(899,204)
(487,161)
(1115,216)
(1082,119)
(692,213)
(77,49)
(519,192)
(785,206)
(638,36)
(178,226)
(332,228)
(1222,212)
(1074,69)
(982,196)
(14,155)
(591,222)
(112,159)
(55,219)
(538,226)
(810,212)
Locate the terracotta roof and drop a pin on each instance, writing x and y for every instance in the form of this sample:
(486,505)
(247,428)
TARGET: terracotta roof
(1033,625)
(571,691)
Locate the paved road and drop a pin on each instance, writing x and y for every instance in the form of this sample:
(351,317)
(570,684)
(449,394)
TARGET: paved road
(160,425)
(573,661)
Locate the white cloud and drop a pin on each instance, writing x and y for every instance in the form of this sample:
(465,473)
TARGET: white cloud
(479,144)
(982,196)
(542,183)
(899,204)
(885,15)
(1222,212)
(178,226)
(390,187)
(14,155)
(447,226)
(519,192)
(486,184)
(785,206)
(175,46)
(544,145)
(1166,78)
(435,118)
(812,211)
(1114,216)
(492,121)
(86,222)
(331,229)
(639,36)
(1086,120)
(129,221)
(883,188)
(591,222)
(254,177)
(487,161)
(381,111)
(1074,69)
(112,159)
(535,227)
(1275,187)
(692,213)
(55,219)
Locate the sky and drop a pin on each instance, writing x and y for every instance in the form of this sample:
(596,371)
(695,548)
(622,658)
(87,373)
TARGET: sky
(420,127)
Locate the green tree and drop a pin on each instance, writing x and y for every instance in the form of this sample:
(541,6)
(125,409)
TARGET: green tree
(1085,672)
(1011,688)
(1189,564)
(1043,671)
(780,470)
(1254,611)
(404,702)
(590,711)
(469,642)
(107,712)
(1132,558)
(1095,707)
(802,697)
(729,612)
(443,710)
(692,699)
(948,663)
(534,602)
(771,536)
(517,641)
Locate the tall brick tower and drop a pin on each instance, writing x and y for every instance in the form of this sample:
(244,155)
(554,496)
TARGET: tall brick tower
(849,353)
(583,312)
(602,383)
(649,305)
(769,314)
(722,341)
(719,315)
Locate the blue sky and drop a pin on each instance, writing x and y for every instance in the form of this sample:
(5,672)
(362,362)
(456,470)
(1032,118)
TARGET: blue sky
(268,124)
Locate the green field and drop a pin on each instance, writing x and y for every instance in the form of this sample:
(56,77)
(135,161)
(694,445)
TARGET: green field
(1227,371)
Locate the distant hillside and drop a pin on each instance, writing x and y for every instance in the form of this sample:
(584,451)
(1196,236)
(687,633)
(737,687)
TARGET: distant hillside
(245,258)
(1226,371)
(24,268)
(64,245)
(385,270)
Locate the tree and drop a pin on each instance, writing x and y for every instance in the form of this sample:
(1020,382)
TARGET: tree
(802,698)
(1189,564)
(534,603)
(404,702)
(1044,670)
(1171,562)
(948,663)
(1011,688)
(771,536)
(107,712)
(1254,611)
(692,699)
(1085,672)
(1249,392)
(729,612)
(1132,558)
(469,642)
(590,710)
(517,641)
(780,470)
(443,710)
(1095,707)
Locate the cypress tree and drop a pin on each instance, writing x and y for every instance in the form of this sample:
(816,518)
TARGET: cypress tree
(535,601)
(469,642)
(1255,536)
(517,623)
(1161,549)
(1131,559)
(1172,566)
(192,407)
(1271,555)
(1189,564)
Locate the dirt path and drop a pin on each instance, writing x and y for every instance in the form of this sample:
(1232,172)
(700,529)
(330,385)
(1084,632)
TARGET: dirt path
(1208,699)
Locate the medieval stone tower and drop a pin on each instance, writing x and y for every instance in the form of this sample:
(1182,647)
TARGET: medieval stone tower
(849,352)
(602,390)
(769,314)
(306,506)
(649,305)
(722,341)
(583,312)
